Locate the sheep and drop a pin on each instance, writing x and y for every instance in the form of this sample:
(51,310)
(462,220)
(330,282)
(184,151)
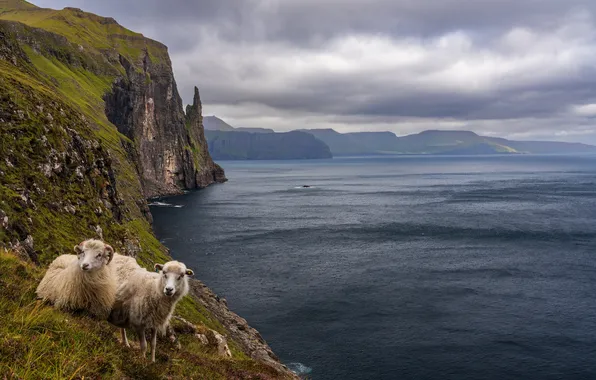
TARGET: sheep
(124,265)
(85,281)
(146,300)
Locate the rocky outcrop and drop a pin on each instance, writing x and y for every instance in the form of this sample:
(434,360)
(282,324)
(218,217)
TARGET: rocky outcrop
(249,339)
(206,171)
(172,152)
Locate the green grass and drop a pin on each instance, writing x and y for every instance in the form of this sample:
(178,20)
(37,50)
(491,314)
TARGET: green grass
(51,105)
(38,341)
(6,5)
(90,31)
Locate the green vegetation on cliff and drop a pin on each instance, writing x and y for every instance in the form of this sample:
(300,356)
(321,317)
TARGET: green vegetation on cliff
(66,174)
(40,342)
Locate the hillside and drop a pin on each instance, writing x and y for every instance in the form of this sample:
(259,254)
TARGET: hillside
(214,123)
(93,125)
(358,143)
(265,146)
(437,142)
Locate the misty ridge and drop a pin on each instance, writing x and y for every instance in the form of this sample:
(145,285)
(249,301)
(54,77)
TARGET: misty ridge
(229,143)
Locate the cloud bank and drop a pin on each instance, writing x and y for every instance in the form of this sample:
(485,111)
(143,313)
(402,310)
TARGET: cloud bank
(522,69)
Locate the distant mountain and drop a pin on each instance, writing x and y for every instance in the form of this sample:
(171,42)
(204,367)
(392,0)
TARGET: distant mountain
(214,123)
(375,141)
(437,142)
(426,142)
(255,130)
(343,144)
(234,145)
(467,142)
(549,147)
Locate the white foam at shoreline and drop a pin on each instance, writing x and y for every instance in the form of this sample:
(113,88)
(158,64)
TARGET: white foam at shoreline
(163,204)
(299,368)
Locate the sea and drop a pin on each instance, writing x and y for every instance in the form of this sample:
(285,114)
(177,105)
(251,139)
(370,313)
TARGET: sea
(403,267)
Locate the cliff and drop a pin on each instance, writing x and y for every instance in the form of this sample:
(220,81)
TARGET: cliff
(145,106)
(209,171)
(91,124)
(224,145)
(437,142)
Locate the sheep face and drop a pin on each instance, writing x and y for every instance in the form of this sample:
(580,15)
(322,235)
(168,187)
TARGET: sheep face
(93,255)
(173,277)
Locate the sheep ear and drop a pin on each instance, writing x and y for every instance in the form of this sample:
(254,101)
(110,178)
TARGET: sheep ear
(78,248)
(189,272)
(158,267)
(110,251)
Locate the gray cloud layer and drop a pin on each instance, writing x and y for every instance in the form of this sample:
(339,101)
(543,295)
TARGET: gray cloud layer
(515,68)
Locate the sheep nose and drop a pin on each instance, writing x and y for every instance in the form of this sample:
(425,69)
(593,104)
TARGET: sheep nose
(85,266)
(169,290)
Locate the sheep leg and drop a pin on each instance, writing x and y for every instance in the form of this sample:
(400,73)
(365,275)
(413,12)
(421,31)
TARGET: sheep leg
(153,344)
(124,338)
(143,341)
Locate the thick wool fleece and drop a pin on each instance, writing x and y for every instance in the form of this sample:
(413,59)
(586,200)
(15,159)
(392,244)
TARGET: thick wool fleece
(69,288)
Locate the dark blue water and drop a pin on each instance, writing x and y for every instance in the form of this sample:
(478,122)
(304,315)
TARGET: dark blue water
(406,267)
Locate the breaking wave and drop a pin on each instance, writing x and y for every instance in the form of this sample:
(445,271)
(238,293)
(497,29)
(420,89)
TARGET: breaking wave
(163,204)
(299,368)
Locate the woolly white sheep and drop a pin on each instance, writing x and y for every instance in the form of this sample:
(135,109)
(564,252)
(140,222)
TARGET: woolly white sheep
(146,301)
(124,266)
(84,281)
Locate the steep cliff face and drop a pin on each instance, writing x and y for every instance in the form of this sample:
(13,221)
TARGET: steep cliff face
(146,107)
(208,171)
(91,124)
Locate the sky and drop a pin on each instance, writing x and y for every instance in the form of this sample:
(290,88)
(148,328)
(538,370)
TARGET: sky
(521,69)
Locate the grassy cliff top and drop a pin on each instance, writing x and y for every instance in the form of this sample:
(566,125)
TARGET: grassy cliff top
(85,29)
(15,4)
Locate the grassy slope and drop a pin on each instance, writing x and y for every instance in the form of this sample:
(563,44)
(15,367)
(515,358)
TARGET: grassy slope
(15,4)
(39,342)
(59,85)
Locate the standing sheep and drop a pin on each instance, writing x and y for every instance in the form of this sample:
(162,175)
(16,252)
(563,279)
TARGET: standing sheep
(146,300)
(84,281)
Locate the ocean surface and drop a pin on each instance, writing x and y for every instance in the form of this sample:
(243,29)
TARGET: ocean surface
(404,267)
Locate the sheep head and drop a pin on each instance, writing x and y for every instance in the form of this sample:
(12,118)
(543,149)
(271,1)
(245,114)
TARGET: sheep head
(174,276)
(93,254)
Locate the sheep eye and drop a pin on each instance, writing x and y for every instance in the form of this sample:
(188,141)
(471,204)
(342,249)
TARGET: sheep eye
(98,256)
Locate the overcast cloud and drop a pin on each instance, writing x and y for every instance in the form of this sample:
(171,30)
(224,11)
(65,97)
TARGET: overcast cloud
(521,69)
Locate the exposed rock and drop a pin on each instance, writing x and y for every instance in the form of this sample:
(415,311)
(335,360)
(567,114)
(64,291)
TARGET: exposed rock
(249,339)
(3,220)
(70,209)
(221,343)
(209,172)
(99,232)
(206,336)
(172,151)
(202,338)
(80,173)
(132,247)
(25,249)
